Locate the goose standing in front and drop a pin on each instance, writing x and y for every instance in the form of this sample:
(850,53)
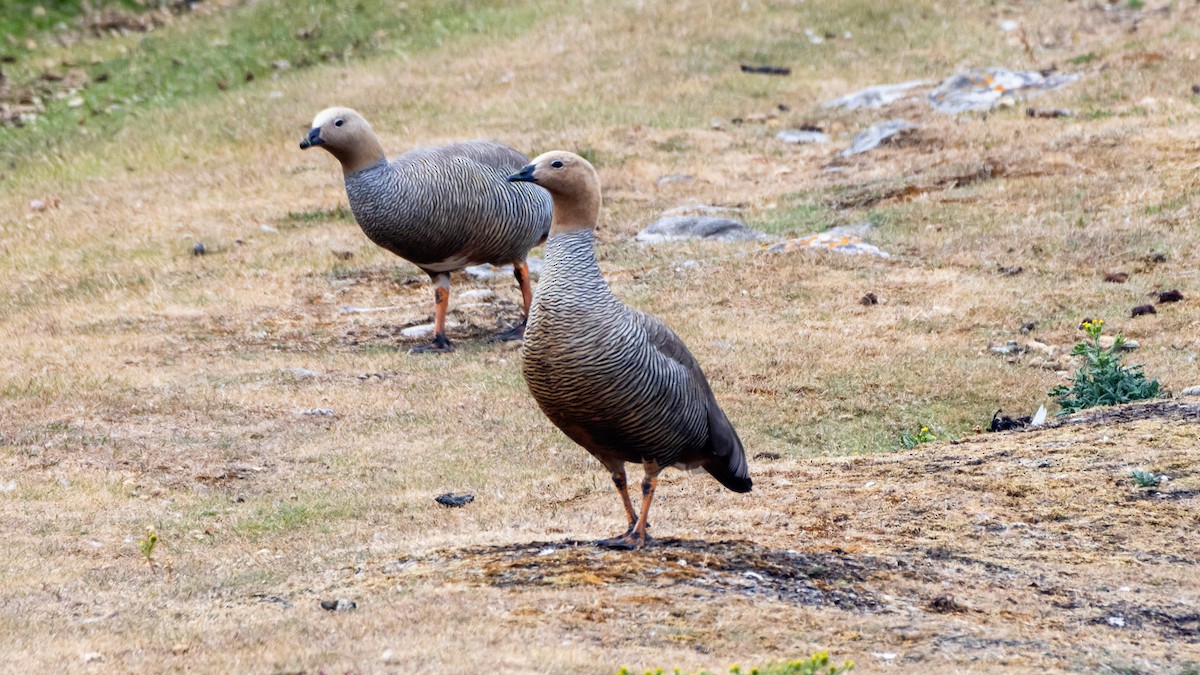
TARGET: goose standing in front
(615,380)
(440,208)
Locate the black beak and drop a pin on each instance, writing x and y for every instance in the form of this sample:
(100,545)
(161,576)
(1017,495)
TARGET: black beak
(314,138)
(524,175)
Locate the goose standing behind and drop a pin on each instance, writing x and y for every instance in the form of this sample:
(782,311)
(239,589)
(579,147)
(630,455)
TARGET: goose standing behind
(615,380)
(439,208)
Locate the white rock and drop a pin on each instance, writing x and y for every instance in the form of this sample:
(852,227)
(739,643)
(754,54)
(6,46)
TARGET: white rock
(802,136)
(301,373)
(1191,391)
(316,412)
(423,330)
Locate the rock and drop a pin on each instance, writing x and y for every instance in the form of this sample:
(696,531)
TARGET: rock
(477,294)
(455,500)
(1168,296)
(1142,310)
(389,658)
(1107,342)
(845,239)
(316,412)
(1116,277)
(802,136)
(986,88)
(1049,351)
(1010,347)
(1190,391)
(423,330)
(876,135)
(675,178)
(339,605)
(876,96)
(199,249)
(1048,114)
(91,657)
(300,373)
(766,70)
(868,300)
(485,271)
(681,228)
(1010,271)
(268,229)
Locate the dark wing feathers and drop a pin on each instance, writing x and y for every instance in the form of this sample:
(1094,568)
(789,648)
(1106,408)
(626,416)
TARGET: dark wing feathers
(728,458)
(491,154)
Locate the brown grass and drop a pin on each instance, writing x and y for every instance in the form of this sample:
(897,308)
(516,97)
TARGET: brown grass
(143,385)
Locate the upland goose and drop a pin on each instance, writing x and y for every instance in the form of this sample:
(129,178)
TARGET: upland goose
(616,380)
(440,208)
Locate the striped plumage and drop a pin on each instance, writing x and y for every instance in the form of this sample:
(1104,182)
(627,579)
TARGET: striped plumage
(617,381)
(440,208)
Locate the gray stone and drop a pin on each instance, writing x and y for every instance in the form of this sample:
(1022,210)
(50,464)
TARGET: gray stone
(454,500)
(1191,391)
(711,228)
(485,271)
(876,135)
(339,605)
(317,412)
(987,88)
(876,96)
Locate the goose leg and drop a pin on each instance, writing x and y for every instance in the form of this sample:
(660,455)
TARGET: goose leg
(619,480)
(441,299)
(639,537)
(521,272)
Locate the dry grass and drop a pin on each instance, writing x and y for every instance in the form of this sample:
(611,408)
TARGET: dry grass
(143,385)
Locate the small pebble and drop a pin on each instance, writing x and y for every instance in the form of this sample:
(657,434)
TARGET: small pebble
(199,249)
(455,500)
(338,605)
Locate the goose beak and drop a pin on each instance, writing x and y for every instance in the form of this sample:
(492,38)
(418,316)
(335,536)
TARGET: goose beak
(313,138)
(524,175)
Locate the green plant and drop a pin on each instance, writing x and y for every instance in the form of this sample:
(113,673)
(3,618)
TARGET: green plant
(1102,380)
(817,664)
(911,439)
(147,546)
(1145,479)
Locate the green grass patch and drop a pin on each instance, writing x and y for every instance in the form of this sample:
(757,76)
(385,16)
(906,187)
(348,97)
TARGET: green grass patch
(202,57)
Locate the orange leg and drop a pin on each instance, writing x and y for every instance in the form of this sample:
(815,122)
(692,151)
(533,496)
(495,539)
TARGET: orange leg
(618,479)
(441,299)
(521,272)
(649,483)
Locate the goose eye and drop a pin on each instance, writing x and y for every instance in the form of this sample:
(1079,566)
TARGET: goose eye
(338,123)
(556,164)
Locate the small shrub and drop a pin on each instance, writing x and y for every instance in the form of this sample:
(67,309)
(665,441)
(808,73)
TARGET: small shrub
(911,439)
(1145,479)
(147,546)
(817,664)
(1102,380)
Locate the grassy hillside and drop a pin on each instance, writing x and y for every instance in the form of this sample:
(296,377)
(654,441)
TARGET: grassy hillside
(287,450)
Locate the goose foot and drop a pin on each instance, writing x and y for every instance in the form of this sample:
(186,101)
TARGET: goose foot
(517,332)
(440,345)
